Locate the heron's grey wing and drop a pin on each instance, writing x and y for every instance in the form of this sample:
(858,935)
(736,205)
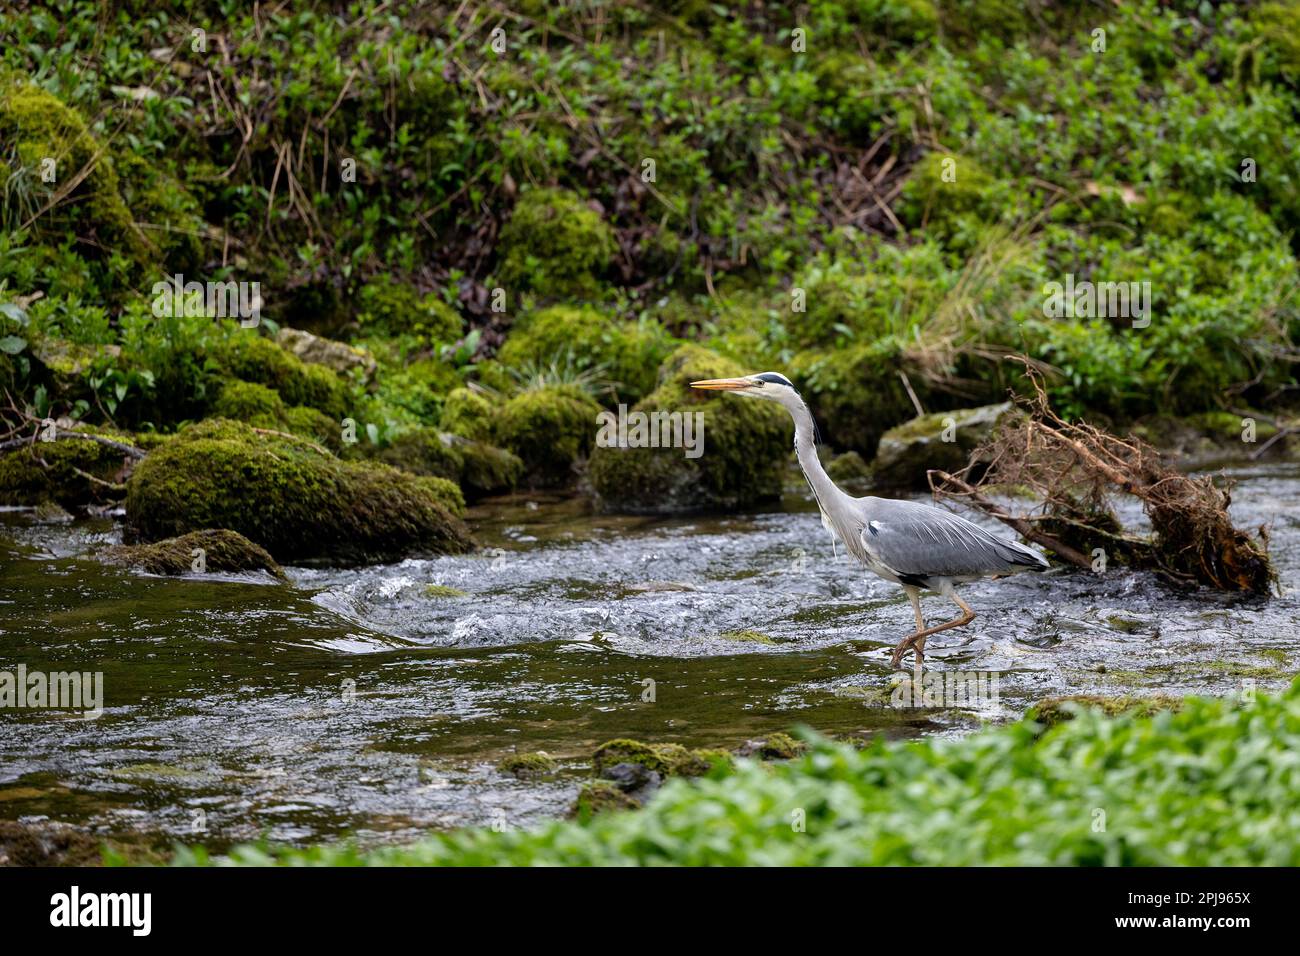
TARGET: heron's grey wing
(917,540)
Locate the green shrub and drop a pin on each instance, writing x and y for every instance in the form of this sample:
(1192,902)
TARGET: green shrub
(1211,785)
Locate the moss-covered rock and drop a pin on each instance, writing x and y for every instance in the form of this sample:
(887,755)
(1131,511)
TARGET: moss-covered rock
(528,765)
(68,364)
(848,468)
(856,394)
(259,360)
(550,429)
(217,551)
(467,413)
(262,407)
(942,440)
(42,130)
(745,445)
(1052,710)
(554,245)
(600,796)
(297,501)
(479,468)
(244,401)
(668,760)
(387,306)
(336,356)
(627,354)
(69,471)
(781,746)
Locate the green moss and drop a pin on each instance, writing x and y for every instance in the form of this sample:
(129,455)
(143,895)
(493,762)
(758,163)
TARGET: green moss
(310,423)
(1053,710)
(626,353)
(244,401)
(600,796)
(479,468)
(781,747)
(486,469)
(299,503)
(259,360)
(848,467)
(748,637)
(745,447)
(262,407)
(669,760)
(390,307)
(550,429)
(1278,24)
(57,471)
(223,552)
(554,245)
(443,591)
(528,765)
(42,128)
(468,414)
(944,189)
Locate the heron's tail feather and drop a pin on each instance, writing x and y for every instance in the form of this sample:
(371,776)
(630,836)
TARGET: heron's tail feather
(1024,557)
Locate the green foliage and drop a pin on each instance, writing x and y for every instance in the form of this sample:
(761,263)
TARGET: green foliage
(467,413)
(1211,785)
(628,353)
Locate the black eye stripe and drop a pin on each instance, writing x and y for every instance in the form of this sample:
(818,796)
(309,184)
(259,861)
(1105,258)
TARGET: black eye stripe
(773,378)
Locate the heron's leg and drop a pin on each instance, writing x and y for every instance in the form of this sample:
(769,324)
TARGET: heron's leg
(919,648)
(917,640)
(913,595)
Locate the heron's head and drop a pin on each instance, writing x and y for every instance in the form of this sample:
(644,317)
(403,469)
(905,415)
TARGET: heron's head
(773,386)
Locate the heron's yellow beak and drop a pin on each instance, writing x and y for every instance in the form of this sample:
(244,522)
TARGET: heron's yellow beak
(723,384)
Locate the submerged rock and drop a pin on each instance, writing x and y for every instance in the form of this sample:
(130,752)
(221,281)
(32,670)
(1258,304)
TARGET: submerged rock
(216,550)
(777,746)
(291,497)
(1053,710)
(942,440)
(600,796)
(528,765)
(669,760)
(744,445)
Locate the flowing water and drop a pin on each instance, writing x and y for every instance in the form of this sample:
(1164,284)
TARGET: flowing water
(361,703)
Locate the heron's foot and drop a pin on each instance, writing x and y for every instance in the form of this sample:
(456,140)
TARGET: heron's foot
(903,645)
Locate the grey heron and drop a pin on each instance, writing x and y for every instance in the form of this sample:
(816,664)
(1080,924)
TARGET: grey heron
(917,546)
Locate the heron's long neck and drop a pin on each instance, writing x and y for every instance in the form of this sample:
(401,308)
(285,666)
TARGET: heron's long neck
(805,448)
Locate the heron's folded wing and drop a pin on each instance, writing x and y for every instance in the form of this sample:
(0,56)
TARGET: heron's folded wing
(915,539)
